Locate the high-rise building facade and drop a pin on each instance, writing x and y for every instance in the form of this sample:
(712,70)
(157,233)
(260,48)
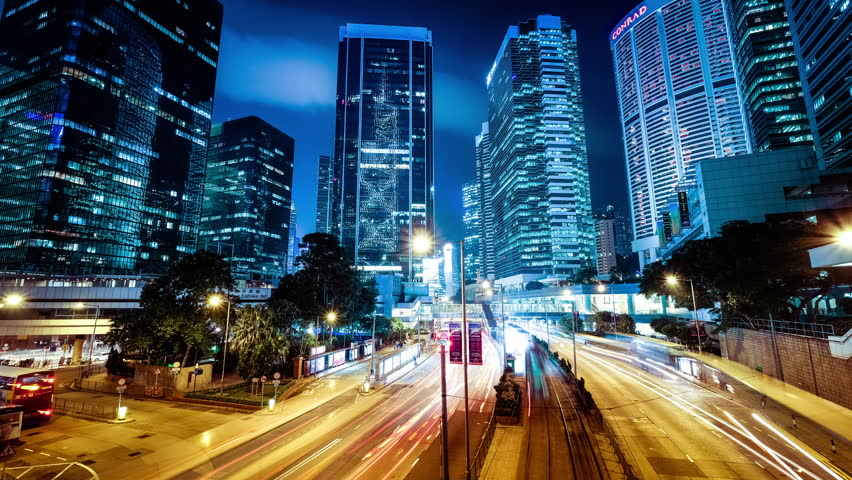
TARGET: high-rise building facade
(293,250)
(248,196)
(324,189)
(383,145)
(679,103)
(822,35)
(472,204)
(539,170)
(105,111)
(483,177)
(605,245)
(768,74)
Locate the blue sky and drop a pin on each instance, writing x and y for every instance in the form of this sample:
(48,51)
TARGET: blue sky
(278,61)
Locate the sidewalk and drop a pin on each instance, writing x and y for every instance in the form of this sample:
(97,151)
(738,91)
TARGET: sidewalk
(504,456)
(167,438)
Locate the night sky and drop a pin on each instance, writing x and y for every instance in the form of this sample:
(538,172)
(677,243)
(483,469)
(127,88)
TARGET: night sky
(278,61)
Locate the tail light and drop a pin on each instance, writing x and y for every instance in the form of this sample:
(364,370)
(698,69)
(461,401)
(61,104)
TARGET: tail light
(46,413)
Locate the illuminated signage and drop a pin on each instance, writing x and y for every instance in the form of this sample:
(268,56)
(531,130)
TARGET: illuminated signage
(628,22)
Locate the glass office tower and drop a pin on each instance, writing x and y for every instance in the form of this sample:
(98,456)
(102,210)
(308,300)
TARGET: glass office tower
(768,74)
(539,170)
(679,103)
(383,145)
(822,35)
(483,177)
(324,188)
(472,204)
(247,197)
(104,116)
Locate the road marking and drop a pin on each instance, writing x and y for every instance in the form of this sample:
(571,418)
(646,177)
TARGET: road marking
(63,459)
(309,459)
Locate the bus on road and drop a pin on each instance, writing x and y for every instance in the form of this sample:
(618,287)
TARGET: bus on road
(30,388)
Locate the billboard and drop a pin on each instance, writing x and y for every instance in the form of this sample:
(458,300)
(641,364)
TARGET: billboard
(455,342)
(474,339)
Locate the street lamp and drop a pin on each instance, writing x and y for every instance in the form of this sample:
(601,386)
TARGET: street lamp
(214,301)
(330,318)
(12,300)
(673,281)
(844,238)
(423,244)
(80,306)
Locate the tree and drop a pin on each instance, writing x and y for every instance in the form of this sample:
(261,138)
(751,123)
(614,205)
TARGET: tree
(259,346)
(533,285)
(585,276)
(749,270)
(624,323)
(326,282)
(626,269)
(397,329)
(174,316)
(603,322)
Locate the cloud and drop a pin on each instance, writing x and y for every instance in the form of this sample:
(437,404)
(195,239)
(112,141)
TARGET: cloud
(276,70)
(460,105)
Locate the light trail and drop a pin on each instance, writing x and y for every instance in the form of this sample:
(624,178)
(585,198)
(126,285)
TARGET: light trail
(304,462)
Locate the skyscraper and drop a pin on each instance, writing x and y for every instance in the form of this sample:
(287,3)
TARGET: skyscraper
(324,189)
(104,116)
(293,242)
(768,74)
(539,170)
(483,176)
(679,104)
(821,35)
(247,197)
(605,245)
(383,144)
(472,204)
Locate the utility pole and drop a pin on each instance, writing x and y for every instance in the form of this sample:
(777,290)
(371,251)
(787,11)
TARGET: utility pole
(465,353)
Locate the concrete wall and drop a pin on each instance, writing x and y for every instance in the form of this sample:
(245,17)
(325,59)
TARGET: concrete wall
(805,362)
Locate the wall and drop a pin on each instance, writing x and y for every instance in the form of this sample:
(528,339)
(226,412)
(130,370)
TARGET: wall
(805,362)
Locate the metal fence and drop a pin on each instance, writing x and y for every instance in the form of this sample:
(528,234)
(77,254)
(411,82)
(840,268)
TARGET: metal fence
(814,330)
(132,390)
(484,444)
(99,410)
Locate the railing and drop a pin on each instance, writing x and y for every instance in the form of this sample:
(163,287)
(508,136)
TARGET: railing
(132,390)
(99,410)
(484,444)
(813,330)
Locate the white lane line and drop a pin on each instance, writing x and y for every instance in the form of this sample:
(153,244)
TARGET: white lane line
(309,459)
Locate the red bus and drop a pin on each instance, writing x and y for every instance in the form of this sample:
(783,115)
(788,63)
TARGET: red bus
(29,388)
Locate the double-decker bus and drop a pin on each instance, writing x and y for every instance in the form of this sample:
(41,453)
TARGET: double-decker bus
(30,388)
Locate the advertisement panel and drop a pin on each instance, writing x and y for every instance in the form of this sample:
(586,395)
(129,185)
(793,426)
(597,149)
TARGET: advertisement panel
(455,342)
(474,336)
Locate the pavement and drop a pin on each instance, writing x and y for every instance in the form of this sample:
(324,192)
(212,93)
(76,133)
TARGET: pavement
(671,426)
(165,437)
(503,461)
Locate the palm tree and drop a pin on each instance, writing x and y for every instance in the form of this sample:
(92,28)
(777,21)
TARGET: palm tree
(259,346)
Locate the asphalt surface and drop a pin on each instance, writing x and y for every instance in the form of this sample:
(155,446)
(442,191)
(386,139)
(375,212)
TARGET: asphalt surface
(670,426)
(380,435)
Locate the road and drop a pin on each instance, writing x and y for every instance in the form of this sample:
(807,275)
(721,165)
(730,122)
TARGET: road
(670,426)
(381,435)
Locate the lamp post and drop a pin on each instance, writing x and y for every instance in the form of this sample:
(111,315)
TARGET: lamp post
(673,280)
(214,301)
(94,329)
(422,244)
(330,318)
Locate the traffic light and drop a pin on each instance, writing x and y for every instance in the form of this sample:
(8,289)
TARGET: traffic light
(215,349)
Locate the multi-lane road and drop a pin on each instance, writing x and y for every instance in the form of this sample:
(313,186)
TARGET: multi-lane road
(669,425)
(381,435)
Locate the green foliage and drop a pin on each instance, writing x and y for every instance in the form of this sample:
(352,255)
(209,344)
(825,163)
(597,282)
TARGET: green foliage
(674,329)
(508,396)
(260,347)
(585,276)
(603,322)
(115,364)
(174,315)
(626,269)
(534,285)
(327,282)
(625,324)
(749,270)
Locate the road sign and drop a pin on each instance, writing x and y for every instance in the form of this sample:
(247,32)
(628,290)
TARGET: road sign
(121,381)
(121,388)
(176,365)
(474,341)
(263,379)
(276,382)
(8,450)
(276,375)
(255,380)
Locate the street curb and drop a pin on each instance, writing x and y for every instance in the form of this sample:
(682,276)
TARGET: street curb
(96,419)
